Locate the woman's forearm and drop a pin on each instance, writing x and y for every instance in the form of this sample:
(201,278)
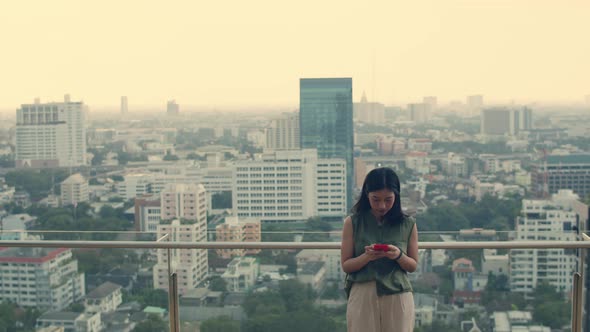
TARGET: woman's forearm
(355,264)
(407,263)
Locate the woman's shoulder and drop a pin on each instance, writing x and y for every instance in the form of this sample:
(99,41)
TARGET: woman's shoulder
(354,217)
(409,220)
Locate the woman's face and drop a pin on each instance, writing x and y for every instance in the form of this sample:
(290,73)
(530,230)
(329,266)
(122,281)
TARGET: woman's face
(381,201)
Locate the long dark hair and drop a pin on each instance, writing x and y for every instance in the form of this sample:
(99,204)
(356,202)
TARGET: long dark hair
(379,179)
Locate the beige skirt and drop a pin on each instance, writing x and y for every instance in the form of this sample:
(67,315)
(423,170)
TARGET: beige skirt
(367,312)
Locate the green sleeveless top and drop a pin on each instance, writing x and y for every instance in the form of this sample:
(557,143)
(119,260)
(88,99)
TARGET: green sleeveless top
(388,275)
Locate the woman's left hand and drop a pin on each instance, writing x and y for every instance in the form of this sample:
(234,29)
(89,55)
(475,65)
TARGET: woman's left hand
(393,253)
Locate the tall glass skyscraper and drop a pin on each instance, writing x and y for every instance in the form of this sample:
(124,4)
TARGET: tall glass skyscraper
(325,121)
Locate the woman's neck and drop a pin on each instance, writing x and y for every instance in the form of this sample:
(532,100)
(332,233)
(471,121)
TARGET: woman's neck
(378,218)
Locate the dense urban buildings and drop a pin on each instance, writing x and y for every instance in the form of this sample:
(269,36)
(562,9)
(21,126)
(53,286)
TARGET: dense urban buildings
(369,112)
(51,134)
(431,101)
(505,121)
(325,114)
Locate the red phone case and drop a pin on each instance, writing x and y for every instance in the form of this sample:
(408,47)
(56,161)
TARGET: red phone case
(381,247)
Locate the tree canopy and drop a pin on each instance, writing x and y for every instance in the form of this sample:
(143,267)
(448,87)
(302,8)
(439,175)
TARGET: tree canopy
(291,308)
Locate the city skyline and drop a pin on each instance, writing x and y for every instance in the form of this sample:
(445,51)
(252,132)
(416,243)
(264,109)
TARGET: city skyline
(255,54)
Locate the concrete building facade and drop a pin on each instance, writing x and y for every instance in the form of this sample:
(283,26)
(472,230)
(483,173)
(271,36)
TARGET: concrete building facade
(47,278)
(551,219)
(289,185)
(51,135)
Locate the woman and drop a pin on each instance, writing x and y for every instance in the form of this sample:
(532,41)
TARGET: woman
(379,248)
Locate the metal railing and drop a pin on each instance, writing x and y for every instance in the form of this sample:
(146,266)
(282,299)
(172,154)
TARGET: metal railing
(578,277)
(284,245)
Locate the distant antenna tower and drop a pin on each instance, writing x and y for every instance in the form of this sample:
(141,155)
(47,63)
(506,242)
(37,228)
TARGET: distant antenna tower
(373,97)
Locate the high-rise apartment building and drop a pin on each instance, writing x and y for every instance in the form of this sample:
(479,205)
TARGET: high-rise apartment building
(283,132)
(419,112)
(51,134)
(325,115)
(124,105)
(184,219)
(289,185)
(553,219)
(556,172)
(234,229)
(74,190)
(241,274)
(184,201)
(172,108)
(40,278)
(369,112)
(505,121)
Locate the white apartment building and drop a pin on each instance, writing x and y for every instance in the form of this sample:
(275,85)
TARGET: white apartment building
(455,165)
(191,265)
(289,185)
(330,187)
(184,219)
(74,190)
(491,163)
(241,274)
(51,134)
(418,162)
(135,185)
(494,263)
(184,201)
(40,278)
(552,219)
(313,274)
(104,298)
(283,132)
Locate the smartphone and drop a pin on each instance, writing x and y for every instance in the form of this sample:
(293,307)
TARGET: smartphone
(381,247)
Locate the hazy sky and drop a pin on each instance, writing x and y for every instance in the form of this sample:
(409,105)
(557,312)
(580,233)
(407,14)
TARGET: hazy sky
(228,53)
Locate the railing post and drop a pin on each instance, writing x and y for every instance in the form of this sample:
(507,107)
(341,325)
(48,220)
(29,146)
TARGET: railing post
(577,303)
(173,303)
